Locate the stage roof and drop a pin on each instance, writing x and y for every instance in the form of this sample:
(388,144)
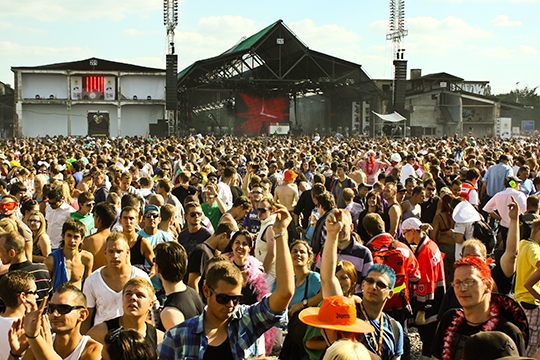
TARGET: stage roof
(274,59)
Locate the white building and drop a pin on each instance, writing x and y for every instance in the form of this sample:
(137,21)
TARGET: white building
(88,97)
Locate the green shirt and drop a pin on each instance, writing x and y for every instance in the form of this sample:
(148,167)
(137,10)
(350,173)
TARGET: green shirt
(213,213)
(87,220)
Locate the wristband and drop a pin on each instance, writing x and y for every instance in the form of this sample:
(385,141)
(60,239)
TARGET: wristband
(31,337)
(278,235)
(13,355)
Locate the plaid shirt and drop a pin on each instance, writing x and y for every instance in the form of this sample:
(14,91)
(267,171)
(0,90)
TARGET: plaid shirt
(246,327)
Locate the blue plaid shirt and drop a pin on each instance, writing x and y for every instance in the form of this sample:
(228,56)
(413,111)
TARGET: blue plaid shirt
(246,327)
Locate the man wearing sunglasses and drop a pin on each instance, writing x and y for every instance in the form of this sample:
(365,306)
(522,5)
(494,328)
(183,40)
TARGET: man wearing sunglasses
(12,254)
(195,233)
(84,214)
(18,290)
(8,208)
(227,330)
(67,311)
(203,252)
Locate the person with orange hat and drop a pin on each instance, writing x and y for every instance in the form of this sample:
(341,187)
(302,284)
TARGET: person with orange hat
(385,340)
(287,195)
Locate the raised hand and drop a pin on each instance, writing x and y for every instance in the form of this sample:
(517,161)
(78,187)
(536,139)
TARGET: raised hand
(17,340)
(334,222)
(513,209)
(283,219)
(33,319)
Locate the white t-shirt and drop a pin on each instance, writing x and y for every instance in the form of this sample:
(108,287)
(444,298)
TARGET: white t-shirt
(5,325)
(225,194)
(467,229)
(106,302)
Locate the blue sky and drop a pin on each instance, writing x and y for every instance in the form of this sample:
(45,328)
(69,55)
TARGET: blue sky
(496,41)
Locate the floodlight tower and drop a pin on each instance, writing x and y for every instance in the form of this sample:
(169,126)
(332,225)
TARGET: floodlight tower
(396,33)
(170,20)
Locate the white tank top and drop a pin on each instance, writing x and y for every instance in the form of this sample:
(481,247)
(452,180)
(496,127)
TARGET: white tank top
(261,247)
(76,354)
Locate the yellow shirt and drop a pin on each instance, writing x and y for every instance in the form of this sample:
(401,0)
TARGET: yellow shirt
(529,255)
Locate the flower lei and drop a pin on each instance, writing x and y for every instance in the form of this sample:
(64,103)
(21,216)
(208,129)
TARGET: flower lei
(456,322)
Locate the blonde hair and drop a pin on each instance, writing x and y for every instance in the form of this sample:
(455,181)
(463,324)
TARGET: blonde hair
(8,225)
(346,350)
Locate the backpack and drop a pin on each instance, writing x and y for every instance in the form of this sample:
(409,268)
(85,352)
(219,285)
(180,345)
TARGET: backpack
(395,259)
(483,232)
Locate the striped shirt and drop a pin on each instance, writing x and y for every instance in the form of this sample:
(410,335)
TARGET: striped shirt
(246,328)
(40,272)
(359,256)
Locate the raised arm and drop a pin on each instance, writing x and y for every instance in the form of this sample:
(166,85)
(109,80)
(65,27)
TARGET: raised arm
(279,300)
(329,282)
(509,258)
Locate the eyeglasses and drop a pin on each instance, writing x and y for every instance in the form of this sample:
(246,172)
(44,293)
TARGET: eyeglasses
(380,284)
(34,221)
(151,215)
(12,205)
(224,299)
(195,214)
(212,180)
(467,283)
(63,309)
(406,232)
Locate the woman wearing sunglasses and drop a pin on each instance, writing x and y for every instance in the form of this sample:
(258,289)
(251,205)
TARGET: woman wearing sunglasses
(40,240)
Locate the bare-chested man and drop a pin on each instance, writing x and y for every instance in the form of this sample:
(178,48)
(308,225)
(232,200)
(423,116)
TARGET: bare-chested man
(104,217)
(287,194)
(237,212)
(70,264)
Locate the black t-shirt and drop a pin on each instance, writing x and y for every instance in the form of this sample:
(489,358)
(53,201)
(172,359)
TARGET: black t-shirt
(465,331)
(182,193)
(189,240)
(304,206)
(188,302)
(197,262)
(429,208)
(221,352)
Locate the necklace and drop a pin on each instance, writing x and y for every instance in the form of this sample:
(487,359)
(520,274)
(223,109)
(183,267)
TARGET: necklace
(370,165)
(378,347)
(456,322)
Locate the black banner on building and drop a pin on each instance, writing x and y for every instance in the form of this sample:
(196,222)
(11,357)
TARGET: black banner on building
(98,123)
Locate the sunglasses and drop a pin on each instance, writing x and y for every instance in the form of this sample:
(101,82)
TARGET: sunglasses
(194,214)
(90,203)
(261,210)
(30,292)
(380,284)
(224,299)
(430,189)
(9,205)
(152,215)
(62,308)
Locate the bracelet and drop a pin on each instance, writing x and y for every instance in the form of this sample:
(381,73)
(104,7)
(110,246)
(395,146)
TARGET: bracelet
(278,235)
(31,337)
(15,356)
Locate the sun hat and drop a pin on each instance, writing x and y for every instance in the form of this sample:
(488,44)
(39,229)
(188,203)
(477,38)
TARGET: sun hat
(464,212)
(336,313)
(290,175)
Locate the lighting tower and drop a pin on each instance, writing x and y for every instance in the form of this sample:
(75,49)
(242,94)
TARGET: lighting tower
(396,33)
(170,20)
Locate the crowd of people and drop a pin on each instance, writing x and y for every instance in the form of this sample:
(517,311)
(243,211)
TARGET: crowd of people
(295,247)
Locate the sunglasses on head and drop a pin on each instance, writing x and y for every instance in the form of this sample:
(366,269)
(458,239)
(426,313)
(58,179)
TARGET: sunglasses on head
(380,284)
(62,308)
(12,205)
(195,213)
(151,215)
(224,299)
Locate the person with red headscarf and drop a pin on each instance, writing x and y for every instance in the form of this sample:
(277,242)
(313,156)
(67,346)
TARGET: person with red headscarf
(481,311)
(372,167)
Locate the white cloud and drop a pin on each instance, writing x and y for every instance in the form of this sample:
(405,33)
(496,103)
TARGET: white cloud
(77,11)
(136,33)
(153,62)
(503,21)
